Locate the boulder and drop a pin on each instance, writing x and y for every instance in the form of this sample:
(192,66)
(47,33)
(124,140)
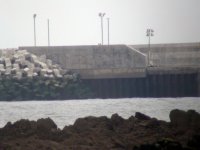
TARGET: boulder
(8,71)
(16,66)
(142,116)
(2,61)
(30,73)
(68,76)
(49,62)
(116,120)
(179,118)
(194,142)
(194,118)
(164,144)
(13,71)
(45,126)
(42,58)
(57,73)
(37,70)
(43,72)
(35,74)
(1,66)
(40,64)
(8,63)
(33,58)
(92,123)
(182,119)
(21,128)
(18,74)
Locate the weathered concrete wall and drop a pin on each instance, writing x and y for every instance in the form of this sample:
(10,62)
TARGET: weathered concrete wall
(175,70)
(121,61)
(173,55)
(96,61)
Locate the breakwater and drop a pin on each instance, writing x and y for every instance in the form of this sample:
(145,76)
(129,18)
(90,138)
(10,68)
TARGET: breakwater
(25,76)
(123,71)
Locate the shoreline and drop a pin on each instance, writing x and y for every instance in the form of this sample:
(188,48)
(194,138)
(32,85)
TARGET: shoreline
(104,133)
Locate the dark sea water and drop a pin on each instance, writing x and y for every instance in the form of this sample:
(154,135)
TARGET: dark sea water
(66,112)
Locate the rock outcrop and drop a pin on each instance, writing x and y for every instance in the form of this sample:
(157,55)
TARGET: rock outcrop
(97,133)
(182,119)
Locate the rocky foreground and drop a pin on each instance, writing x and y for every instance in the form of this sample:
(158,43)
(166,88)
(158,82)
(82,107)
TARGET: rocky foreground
(139,132)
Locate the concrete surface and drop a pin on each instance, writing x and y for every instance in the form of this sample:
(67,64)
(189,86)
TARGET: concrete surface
(114,61)
(121,61)
(173,55)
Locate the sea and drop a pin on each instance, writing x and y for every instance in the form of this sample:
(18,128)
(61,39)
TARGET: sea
(65,112)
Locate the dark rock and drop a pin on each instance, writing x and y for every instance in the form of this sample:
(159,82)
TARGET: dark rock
(104,133)
(182,119)
(46,128)
(194,142)
(46,124)
(153,123)
(89,123)
(142,116)
(165,144)
(169,144)
(179,118)
(116,120)
(8,125)
(20,128)
(194,119)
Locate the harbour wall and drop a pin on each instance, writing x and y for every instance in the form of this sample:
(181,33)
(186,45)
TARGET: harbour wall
(115,61)
(122,71)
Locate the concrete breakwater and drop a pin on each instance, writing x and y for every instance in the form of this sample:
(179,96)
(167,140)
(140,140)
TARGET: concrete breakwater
(21,63)
(25,76)
(117,71)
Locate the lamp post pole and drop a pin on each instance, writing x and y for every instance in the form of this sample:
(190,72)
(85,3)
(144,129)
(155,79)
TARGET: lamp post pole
(108,19)
(150,32)
(34,16)
(101,15)
(48,32)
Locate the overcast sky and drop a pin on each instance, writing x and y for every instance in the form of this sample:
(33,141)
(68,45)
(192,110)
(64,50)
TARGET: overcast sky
(76,22)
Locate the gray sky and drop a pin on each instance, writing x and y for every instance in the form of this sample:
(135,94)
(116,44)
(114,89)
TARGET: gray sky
(76,22)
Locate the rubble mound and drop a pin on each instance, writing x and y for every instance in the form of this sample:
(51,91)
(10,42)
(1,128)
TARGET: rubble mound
(25,76)
(21,63)
(97,133)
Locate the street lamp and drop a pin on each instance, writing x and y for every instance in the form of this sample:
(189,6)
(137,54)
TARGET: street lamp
(34,16)
(48,32)
(108,20)
(101,15)
(150,32)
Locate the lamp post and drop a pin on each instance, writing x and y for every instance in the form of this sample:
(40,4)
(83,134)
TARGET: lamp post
(48,32)
(150,32)
(101,15)
(34,16)
(108,20)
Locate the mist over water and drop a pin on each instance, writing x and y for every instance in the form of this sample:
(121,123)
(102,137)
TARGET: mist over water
(66,112)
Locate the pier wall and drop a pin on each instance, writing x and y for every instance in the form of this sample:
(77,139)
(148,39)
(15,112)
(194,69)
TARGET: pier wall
(114,61)
(118,71)
(173,55)
(155,85)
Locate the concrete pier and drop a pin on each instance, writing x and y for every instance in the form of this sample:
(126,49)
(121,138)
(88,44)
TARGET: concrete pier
(117,71)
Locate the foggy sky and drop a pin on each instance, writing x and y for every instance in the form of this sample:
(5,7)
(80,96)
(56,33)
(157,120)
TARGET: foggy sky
(76,22)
